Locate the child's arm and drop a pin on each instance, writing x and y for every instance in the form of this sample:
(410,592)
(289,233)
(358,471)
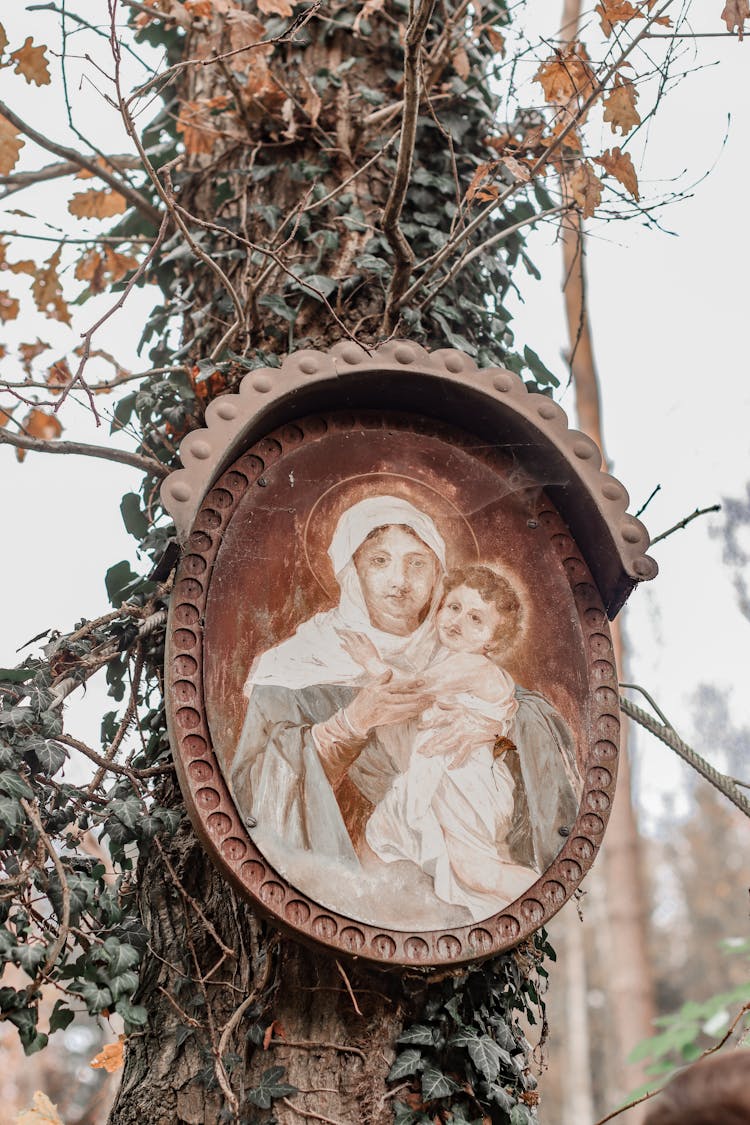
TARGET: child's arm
(363,652)
(468,672)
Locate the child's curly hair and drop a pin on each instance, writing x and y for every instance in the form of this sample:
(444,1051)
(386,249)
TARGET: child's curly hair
(496,590)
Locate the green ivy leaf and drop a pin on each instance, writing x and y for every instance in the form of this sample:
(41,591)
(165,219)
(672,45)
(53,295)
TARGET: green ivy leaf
(60,1017)
(407,1062)
(135,1015)
(419,1035)
(14,785)
(520,1115)
(132,516)
(271,1087)
(435,1084)
(51,757)
(487,1057)
(120,957)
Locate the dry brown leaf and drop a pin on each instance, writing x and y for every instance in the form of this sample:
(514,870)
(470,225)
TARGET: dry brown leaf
(197,125)
(369,8)
(246,30)
(611,12)
(566,75)
(619,106)
(41,1111)
(97,204)
(497,40)
(734,15)
(3,351)
(275,8)
(9,306)
(100,268)
(461,63)
(39,424)
(11,143)
(5,416)
(27,353)
(586,188)
(47,291)
(620,165)
(518,170)
(3,40)
(58,376)
(31,62)
(483,172)
(110,1058)
(312,104)
(199,9)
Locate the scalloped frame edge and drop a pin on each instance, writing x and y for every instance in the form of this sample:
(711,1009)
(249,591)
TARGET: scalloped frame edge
(446,385)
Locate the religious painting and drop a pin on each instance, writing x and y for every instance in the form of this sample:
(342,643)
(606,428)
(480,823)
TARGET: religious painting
(396,675)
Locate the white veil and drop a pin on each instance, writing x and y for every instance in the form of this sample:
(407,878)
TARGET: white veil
(314,654)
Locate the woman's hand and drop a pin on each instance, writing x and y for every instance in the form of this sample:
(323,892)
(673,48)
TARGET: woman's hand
(384,702)
(458,732)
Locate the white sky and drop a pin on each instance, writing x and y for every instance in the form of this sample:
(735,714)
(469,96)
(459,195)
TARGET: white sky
(669,316)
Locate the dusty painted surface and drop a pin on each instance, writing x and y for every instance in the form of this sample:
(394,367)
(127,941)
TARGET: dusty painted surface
(401,688)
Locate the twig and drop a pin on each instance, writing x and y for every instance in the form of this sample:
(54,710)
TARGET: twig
(403,253)
(310,1115)
(123,456)
(109,766)
(501,236)
(285,36)
(81,161)
(17,181)
(652,1093)
(62,239)
(87,336)
(62,934)
(435,261)
(311,1045)
(643,506)
(239,1012)
(349,988)
(688,519)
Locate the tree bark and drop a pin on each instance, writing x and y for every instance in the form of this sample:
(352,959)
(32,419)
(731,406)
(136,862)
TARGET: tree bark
(279,195)
(630,986)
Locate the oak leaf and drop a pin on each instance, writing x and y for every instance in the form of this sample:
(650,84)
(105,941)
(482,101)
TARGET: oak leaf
(41,1111)
(110,1058)
(196,124)
(483,172)
(47,291)
(11,143)
(461,63)
(100,268)
(199,9)
(497,40)
(619,106)
(31,62)
(620,165)
(5,416)
(246,30)
(3,40)
(97,204)
(27,353)
(58,376)
(517,169)
(45,427)
(586,188)
(9,306)
(280,8)
(566,75)
(734,15)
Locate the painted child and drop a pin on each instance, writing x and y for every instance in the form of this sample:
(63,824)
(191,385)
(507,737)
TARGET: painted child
(451,813)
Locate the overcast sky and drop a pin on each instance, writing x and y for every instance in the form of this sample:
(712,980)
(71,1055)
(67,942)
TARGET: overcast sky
(669,314)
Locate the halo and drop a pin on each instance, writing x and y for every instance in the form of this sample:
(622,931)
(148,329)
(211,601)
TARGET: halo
(385,476)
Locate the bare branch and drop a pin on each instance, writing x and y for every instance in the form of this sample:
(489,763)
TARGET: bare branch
(403,253)
(134,197)
(37,445)
(688,519)
(17,181)
(62,935)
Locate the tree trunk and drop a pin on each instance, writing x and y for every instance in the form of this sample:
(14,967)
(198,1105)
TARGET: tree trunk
(631,985)
(228,998)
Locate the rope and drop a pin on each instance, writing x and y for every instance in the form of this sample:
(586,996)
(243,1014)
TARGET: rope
(667,734)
